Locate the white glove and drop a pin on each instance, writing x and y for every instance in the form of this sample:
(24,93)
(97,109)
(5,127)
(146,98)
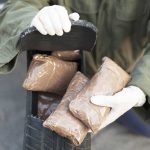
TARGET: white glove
(120,102)
(53,20)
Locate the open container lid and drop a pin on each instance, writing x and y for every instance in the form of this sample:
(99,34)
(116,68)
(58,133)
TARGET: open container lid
(82,36)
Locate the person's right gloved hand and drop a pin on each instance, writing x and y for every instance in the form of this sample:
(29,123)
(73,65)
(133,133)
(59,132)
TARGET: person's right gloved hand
(120,102)
(53,20)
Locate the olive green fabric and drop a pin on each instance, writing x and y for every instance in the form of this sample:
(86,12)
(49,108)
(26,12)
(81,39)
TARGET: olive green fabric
(122,30)
(121,24)
(117,22)
(14,18)
(141,79)
(141,72)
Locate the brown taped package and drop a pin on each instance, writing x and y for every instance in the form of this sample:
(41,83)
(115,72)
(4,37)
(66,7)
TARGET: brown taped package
(49,74)
(67,55)
(47,103)
(109,79)
(62,121)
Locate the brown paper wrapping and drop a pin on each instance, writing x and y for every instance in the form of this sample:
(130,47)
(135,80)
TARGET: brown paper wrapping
(109,79)
(49,74)
(67,55)
(62,121)
(47,103)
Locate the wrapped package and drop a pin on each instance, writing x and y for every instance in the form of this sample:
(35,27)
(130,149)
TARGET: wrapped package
(49,74)
(47,103)
(109,79)
(67,55)
(62,121)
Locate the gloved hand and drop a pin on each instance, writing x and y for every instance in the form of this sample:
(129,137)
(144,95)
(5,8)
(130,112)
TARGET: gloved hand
(120,102)
(53,20)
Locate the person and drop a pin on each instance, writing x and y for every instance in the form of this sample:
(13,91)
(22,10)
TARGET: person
(123,35)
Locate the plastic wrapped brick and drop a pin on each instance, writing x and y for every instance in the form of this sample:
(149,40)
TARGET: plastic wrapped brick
(47,103)
(67,55)
(49,74)
(109,79)
(62,121)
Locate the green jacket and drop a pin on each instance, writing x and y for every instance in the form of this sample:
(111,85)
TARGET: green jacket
(122,33)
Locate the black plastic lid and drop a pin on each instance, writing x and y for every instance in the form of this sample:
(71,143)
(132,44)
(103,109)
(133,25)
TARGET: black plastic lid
(82,36)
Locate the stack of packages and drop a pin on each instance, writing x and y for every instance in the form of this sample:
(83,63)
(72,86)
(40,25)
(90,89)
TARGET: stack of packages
(51,75)
(75,115)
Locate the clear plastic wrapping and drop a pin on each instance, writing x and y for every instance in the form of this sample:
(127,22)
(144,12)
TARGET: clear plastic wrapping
(109,79)
(47,103)
(49,74)
(67,55)
(62,121)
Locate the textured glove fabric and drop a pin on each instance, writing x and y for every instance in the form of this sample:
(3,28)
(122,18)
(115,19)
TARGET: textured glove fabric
(120,103)
(53,20)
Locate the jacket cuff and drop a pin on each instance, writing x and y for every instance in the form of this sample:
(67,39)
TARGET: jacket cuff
(138,81)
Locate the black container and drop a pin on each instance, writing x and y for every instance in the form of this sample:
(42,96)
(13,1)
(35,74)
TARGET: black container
(39,138)
(36,137)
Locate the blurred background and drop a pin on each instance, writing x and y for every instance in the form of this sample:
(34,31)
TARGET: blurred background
(12,112)
(1,3)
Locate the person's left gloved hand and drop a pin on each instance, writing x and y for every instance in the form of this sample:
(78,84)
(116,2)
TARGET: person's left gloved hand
(120,102)
(53,20)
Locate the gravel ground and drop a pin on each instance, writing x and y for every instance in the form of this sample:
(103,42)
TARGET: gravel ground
(12,112)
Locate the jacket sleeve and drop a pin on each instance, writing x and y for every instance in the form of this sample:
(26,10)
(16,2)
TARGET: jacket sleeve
(141,79)
(141,72)
(14,18)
